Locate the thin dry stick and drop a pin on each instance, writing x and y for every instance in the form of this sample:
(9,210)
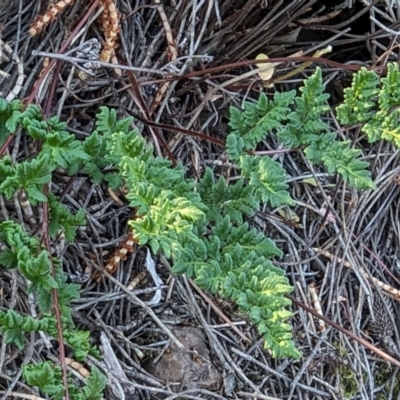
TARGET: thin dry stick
(142,304)
(362,341)
(24,395)
(317,304)
(20,70)
(96,64)
(173,55)
(168,32)
(384,286)
(218,311)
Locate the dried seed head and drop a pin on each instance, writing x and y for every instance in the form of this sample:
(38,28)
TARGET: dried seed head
(381,328)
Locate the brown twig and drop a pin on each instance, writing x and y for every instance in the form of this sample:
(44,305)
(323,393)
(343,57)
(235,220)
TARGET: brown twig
(395,293)
(345,331)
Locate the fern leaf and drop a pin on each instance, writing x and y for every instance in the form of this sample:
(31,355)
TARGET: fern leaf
(234,146)
(358,99)
(95,385)
(64,151)
(61,217)
(45,376)
(29,175)
(344,160)
(267,178)
(389,93)
(259,119)
(10,116)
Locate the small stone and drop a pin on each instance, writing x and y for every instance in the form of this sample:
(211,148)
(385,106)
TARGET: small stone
(187,368)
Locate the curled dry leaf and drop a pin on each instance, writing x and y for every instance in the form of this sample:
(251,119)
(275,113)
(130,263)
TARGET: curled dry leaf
(267,69)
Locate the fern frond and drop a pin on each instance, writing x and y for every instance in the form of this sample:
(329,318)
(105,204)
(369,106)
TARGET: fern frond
(313,100)
(389,93)
(29,175)
(358,99)
(10,116)
(305,124)
(234,146)
(260,118)
(267,178)
(64,151)
(345,160)
(221,199)
(61,217)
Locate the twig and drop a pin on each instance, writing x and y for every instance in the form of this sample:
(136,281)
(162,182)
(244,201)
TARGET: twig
(142,304)
(97,64)
(219,312)
(20,70)
(366,344)
(395,293)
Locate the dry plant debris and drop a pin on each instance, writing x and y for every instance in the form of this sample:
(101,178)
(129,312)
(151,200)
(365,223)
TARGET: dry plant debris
(109,19)
(110,22)
(49,16)
(14,92)
(127,246)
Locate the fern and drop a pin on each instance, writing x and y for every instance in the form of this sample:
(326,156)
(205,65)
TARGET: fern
(13,326)
(181,219)
(10,114)
(236,200)
(374,102)
(267,178)
(258,119)
(62,218)
(199,225)
(357,106)
(343,159)
(48,378)
(299,124)
(27,175)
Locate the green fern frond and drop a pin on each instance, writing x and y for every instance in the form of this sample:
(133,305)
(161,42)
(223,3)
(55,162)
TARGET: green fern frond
(313,100)
(10,117)
(267,178)
(260,118)
(29,175)
(305,123)
(234,146)
(95,385)
(345,160)
(221,199)
(389,93)
(358,99)
(62,218)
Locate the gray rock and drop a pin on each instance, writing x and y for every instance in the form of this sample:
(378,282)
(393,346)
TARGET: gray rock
(187,368)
